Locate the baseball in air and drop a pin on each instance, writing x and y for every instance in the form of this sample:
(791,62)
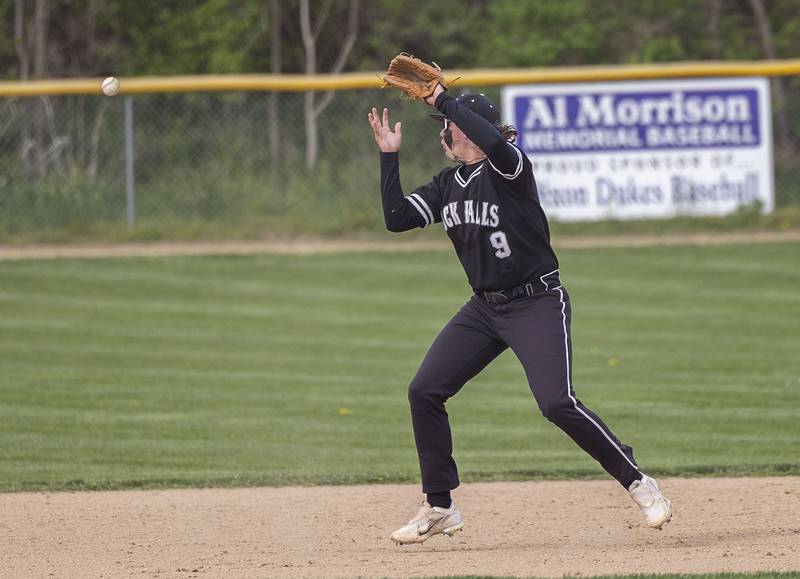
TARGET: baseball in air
(111,86)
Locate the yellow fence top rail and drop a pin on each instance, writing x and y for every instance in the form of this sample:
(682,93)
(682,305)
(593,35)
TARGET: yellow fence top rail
(371,80)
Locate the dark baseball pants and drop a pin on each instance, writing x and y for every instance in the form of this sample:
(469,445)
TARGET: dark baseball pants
(537,329)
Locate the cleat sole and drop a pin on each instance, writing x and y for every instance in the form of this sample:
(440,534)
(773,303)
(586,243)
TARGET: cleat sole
(450,531)
(667,518)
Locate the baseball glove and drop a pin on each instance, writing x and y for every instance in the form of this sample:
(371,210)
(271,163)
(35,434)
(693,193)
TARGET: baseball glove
(415,79)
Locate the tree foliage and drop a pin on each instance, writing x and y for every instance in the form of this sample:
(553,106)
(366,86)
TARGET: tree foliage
(97,37)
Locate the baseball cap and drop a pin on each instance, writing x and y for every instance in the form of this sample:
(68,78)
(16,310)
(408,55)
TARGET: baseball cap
(479,104)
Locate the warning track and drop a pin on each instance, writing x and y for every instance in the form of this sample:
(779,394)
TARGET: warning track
(316,246)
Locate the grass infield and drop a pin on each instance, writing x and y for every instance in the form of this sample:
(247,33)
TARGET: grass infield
(270,369)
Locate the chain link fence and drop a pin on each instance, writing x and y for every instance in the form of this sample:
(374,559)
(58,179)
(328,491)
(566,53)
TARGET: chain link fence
(200,161)
(229,164)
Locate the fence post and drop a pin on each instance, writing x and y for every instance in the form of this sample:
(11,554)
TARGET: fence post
(129,166)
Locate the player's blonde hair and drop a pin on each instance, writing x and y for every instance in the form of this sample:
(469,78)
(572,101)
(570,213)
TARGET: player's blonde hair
(508,132)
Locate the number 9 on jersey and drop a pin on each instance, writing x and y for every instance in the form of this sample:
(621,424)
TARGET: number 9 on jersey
(500,243)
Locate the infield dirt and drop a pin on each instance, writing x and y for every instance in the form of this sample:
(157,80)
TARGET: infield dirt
(522,528)
(302,246)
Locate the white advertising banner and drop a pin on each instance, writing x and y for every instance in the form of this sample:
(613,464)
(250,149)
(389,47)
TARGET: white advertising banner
(646,149)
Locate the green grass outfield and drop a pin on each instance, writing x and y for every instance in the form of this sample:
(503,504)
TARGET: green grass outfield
(191,371)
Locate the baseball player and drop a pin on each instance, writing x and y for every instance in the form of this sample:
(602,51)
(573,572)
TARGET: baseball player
(489,206)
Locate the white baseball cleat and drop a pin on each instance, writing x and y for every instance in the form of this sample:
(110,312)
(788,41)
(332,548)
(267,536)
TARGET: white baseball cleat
(656,507)
(430,521)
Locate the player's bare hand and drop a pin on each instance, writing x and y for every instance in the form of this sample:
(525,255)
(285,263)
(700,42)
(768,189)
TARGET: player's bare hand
(388,140)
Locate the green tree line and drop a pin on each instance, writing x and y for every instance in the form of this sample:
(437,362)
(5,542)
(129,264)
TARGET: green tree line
(208,155)
(68,38)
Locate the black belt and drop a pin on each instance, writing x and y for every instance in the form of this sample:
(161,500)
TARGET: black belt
(535,286)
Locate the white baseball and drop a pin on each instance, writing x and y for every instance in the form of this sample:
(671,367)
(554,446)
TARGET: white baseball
(111,86)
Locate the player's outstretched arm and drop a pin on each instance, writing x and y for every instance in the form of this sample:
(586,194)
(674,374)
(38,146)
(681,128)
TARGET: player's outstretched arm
(436,92)
(399,214)
(503,155)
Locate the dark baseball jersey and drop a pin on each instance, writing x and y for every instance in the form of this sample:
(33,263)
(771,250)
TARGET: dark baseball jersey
(491,212)
(490,209)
